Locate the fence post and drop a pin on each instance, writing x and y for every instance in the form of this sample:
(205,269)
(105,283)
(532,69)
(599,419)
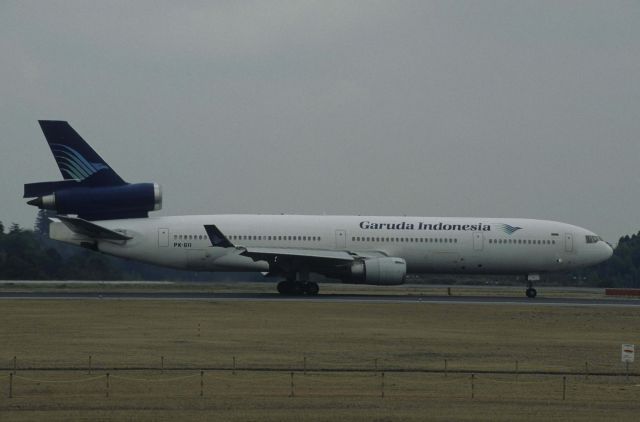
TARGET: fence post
(445,367)
(305,365)
(234,365)
(473,379)
(376,364)
(293,393)
(15,364)
(516,370)
(201,383)
(564,387)
(382,385)
(89,364)
(10,385)
(198,329)
(162,364)
(108,386)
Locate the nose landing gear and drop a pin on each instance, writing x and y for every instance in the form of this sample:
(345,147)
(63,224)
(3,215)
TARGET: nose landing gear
(531,292)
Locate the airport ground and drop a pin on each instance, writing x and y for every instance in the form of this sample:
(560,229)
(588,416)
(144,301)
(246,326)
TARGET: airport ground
(346,347)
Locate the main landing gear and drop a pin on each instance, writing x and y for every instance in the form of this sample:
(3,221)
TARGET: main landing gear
(298,288)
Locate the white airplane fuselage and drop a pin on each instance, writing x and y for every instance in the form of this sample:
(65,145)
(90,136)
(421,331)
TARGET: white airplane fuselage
(427,244)
(99,210)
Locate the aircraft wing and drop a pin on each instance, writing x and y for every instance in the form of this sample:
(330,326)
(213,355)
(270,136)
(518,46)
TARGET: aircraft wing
(274,254)
(94,231)
(313,257)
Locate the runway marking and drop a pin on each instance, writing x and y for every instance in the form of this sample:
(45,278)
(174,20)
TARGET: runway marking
(332,298)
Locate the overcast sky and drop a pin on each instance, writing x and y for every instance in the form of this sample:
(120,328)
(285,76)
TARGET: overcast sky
(452,108)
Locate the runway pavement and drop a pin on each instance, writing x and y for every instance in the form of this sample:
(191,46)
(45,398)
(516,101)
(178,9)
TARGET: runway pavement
(326,298)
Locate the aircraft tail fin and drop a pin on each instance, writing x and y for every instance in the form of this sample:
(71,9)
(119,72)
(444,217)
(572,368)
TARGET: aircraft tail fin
(75,158)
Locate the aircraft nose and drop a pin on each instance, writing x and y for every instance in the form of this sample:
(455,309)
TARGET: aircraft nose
(606,251)
(609,251)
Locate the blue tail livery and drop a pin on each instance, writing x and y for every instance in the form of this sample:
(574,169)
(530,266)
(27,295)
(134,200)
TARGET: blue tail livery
(76,159)
(91,189)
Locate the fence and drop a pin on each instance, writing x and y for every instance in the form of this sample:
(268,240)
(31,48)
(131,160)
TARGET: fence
(212,384)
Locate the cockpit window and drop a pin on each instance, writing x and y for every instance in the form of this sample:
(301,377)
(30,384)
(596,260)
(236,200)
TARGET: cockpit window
(592,239)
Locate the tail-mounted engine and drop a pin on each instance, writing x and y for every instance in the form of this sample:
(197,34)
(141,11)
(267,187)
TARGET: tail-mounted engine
(98,203)
(91,189)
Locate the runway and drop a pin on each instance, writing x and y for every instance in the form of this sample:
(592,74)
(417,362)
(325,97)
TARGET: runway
(326,298)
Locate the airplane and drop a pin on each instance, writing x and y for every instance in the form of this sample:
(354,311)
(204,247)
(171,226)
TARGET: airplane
(97,209)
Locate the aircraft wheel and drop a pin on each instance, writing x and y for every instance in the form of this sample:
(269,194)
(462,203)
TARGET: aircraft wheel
(285,288)
(311,288)
(531,292)
(297,288)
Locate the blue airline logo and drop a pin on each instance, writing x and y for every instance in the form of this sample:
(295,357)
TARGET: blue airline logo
(507,228)
(73,164)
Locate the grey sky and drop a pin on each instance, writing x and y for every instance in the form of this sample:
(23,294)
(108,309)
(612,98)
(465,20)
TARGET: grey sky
(521,109)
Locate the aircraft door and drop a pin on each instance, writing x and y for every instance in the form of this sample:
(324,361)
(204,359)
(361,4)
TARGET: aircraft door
(478,241)
(568,242)
(341,239)
(163,237)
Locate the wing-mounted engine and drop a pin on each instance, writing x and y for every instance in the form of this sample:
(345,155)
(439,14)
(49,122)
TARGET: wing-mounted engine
(378,271)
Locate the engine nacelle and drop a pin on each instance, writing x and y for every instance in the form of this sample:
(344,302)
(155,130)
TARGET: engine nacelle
(379,271)
(107,202)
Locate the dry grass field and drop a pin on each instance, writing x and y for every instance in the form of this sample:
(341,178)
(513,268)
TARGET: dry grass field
(124,336)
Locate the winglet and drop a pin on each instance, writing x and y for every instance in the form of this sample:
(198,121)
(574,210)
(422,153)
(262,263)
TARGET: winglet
(216,237)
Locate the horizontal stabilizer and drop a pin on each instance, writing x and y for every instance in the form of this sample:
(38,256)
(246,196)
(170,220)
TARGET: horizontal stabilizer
(94,231)
(31,190)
